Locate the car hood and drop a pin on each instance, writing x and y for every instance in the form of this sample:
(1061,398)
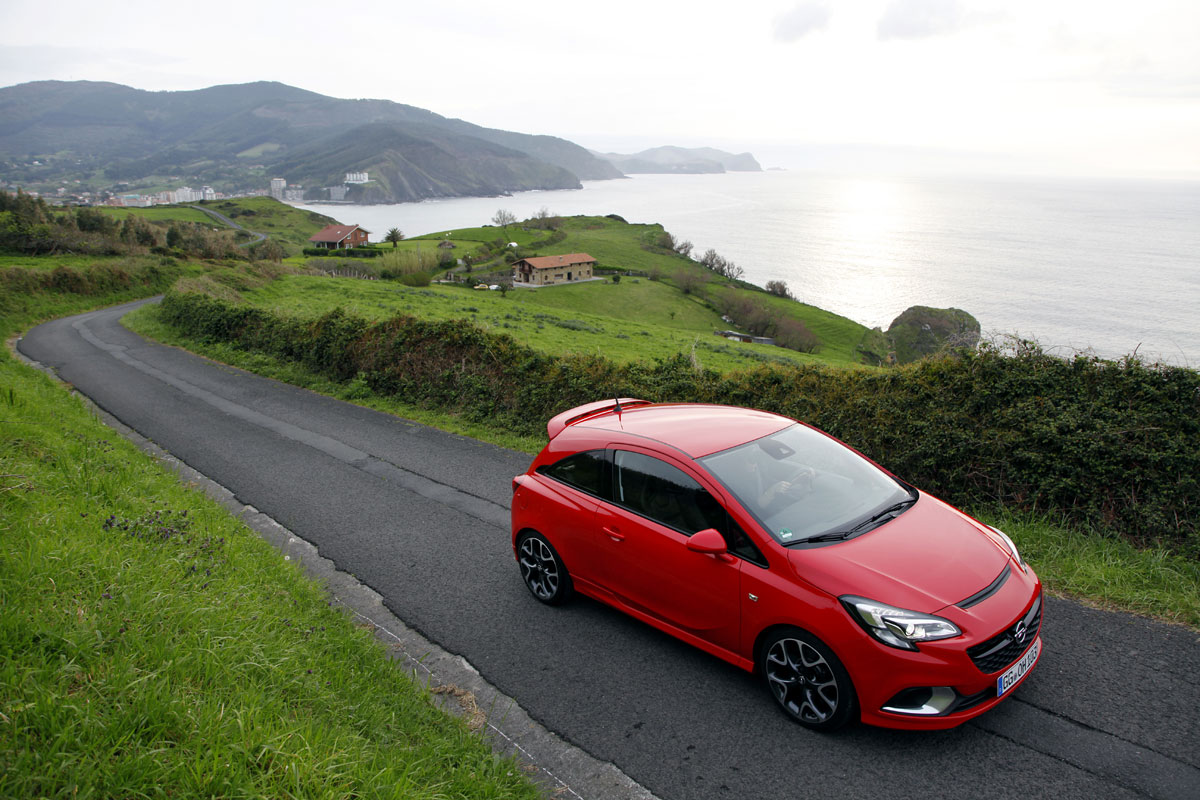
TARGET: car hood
(929,557)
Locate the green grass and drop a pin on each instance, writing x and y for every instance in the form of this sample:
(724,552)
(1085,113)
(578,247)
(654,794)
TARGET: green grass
(180,213)
(283,223)
(1106,571)
(552,320)
(153,646)
(44,263)
(475,236)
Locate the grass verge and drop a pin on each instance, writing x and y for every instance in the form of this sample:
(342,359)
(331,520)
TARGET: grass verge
(1094,568)
(151,645)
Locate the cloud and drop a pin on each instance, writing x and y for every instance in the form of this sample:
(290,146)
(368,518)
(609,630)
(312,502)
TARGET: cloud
(918,19)
(802,20)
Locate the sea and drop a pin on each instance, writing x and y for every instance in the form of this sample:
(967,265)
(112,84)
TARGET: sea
(1106,267)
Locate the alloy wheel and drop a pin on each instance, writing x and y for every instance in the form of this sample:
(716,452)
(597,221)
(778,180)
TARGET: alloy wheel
(802,681)
(540,569)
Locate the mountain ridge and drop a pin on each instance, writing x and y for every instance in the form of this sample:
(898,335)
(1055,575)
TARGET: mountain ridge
(238,136)
(684,160)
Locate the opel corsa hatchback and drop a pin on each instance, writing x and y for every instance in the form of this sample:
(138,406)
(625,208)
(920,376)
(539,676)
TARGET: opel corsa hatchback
(779,549)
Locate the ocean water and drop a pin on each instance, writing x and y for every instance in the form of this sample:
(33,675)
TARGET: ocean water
(1107,266)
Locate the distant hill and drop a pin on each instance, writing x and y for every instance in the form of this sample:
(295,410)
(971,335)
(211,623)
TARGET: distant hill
(237,137)
(682,160)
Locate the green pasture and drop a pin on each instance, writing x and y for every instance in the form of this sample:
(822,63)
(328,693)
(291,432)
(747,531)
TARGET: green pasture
(541,318)
(176,213)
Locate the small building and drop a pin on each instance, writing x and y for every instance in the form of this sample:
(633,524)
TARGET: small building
(549,270)
(336,237)
(745,337)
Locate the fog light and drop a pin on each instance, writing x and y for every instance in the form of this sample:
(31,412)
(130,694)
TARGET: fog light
(923,701)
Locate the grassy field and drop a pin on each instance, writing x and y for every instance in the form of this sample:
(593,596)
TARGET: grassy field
(283,223)
(44,263)
(645,316)
(551,320)
(152,646)
(179,213)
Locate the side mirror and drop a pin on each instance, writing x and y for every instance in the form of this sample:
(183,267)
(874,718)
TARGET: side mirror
(707,541)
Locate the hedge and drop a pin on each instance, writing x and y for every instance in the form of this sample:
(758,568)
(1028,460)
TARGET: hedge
(1104,443)
(343,252)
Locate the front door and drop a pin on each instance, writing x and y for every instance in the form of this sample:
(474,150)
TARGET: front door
(642,546)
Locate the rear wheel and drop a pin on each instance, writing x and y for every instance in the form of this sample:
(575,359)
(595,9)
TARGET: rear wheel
(807,680)
(543,571)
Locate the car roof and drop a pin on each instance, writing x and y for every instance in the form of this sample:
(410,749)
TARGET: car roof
(697,430)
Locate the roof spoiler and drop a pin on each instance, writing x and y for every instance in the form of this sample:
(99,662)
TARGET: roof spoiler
(560,421)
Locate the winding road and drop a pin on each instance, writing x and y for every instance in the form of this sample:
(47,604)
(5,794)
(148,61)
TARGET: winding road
(421,517)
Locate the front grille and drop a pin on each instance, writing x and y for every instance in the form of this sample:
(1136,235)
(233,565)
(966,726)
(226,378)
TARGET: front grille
(1002,649)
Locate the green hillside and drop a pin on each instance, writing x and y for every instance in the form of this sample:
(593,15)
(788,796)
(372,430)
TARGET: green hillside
(288,225)
(647,315)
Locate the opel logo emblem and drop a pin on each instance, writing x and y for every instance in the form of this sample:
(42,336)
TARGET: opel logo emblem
(1020,631)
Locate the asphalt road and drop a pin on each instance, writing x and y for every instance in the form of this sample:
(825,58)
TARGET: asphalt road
(421,516)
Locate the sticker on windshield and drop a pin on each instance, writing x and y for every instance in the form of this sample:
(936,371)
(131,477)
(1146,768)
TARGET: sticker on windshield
(785,534)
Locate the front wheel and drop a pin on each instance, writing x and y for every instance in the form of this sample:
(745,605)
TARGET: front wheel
(808,681)
(543,571)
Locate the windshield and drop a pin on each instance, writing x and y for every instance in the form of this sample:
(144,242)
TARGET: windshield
(800,484)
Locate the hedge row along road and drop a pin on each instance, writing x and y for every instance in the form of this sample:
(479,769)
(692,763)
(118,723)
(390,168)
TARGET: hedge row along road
(420,516)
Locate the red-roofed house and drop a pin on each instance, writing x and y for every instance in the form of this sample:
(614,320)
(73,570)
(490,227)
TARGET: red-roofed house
(333,237)
(547,270)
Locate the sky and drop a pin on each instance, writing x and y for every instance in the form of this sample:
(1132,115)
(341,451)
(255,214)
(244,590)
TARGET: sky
(1055,87)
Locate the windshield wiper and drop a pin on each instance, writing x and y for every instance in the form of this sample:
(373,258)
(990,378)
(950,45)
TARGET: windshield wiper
(837,536)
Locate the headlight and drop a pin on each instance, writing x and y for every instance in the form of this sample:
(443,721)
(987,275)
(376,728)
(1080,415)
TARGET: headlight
(1012,547)
(898,627)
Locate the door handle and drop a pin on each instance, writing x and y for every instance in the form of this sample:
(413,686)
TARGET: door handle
(613,533)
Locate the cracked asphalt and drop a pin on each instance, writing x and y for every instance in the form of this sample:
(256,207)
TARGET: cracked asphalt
(421,518)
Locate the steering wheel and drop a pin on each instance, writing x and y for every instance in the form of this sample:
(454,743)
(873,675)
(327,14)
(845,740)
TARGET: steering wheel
(800,483)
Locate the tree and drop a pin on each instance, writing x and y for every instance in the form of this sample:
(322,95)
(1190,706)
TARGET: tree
(779,289)
(721,265)
(690,281)
(544,219)
(394,236)
(504,218)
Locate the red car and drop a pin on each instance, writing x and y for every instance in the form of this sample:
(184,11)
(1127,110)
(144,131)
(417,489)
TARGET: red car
(778,548)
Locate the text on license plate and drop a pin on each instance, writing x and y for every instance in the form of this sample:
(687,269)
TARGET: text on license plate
(1012,676)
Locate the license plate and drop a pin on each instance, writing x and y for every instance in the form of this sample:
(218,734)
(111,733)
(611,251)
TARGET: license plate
(1012,676)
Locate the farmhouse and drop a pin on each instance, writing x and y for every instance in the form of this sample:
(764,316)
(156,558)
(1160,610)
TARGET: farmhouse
(334,237)
(548,270)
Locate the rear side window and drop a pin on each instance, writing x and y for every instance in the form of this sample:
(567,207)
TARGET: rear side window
(585,471)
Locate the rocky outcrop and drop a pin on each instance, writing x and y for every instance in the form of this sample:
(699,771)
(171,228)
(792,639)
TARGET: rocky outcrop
(918,332)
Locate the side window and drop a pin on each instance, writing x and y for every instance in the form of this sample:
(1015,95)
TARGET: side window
(585,471)
(665,494)
(740,545)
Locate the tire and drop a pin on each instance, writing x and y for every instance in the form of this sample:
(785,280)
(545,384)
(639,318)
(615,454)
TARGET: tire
(807,680)
(542,570)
